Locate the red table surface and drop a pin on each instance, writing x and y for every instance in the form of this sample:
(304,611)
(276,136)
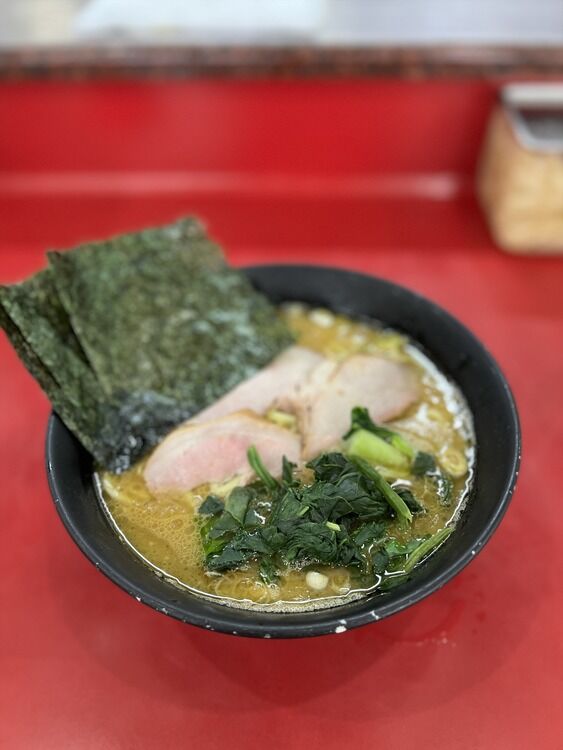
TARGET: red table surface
(281,172)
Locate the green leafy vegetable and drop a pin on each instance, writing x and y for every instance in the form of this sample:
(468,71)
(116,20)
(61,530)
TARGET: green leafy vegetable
(228,558)
(237,503)
(380,561)
(424,463)
(374,449)
(394,500)
(382,446)
(253,518)
(211,506)
(211,545)
(223,525)
(267,570)
(393,581)
(368,533)
(414,505)
(341,518)
(444,487)
(400,549)
(311,542)
(340,489)
(390,554)
(427,546)
(361,420)
(330,467)
(287,473)
(260,470)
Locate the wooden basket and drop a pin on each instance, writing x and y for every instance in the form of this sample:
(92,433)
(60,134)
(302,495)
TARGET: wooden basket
(521,190)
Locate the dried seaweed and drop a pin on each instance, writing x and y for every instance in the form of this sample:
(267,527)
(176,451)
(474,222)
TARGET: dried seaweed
(183,324)
(35,309)
(86,421)
(133,425)
(131,336)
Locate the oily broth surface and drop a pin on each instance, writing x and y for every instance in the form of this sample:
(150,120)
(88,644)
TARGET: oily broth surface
(164,529)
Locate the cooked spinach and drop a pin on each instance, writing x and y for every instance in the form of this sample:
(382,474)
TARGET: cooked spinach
(237,502)
(444,486)
(394,500)
(211,505)
(260,470)
(341,518)
(425,547)
(368,533)
(414,505)
(424,463)
(390,554)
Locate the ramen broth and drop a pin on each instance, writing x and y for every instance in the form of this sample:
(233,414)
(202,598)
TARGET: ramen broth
(164,529)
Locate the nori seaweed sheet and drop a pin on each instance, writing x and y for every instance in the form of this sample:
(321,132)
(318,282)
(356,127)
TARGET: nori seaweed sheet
(36,310)
(131,336)
(160,311)
(85,421)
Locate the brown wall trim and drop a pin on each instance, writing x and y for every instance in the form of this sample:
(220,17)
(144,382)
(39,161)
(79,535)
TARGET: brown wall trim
(112,61)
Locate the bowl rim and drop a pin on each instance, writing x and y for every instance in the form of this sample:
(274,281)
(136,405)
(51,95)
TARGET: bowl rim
(322,621)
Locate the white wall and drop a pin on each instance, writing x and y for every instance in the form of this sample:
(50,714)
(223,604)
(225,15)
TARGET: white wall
(292,21)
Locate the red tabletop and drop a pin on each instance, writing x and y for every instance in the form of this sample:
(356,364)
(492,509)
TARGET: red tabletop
(477,665)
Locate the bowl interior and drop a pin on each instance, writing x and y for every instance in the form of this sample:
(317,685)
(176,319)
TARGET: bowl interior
(452,347)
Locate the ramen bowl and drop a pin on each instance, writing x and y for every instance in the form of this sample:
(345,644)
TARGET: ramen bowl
(453,348)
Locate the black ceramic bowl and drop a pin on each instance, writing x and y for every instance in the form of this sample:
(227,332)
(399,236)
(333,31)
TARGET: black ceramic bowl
(456,351)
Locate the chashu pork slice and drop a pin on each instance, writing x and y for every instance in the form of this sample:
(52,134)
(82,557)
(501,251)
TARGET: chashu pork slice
(324,403)
(273,385)
(215,451)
